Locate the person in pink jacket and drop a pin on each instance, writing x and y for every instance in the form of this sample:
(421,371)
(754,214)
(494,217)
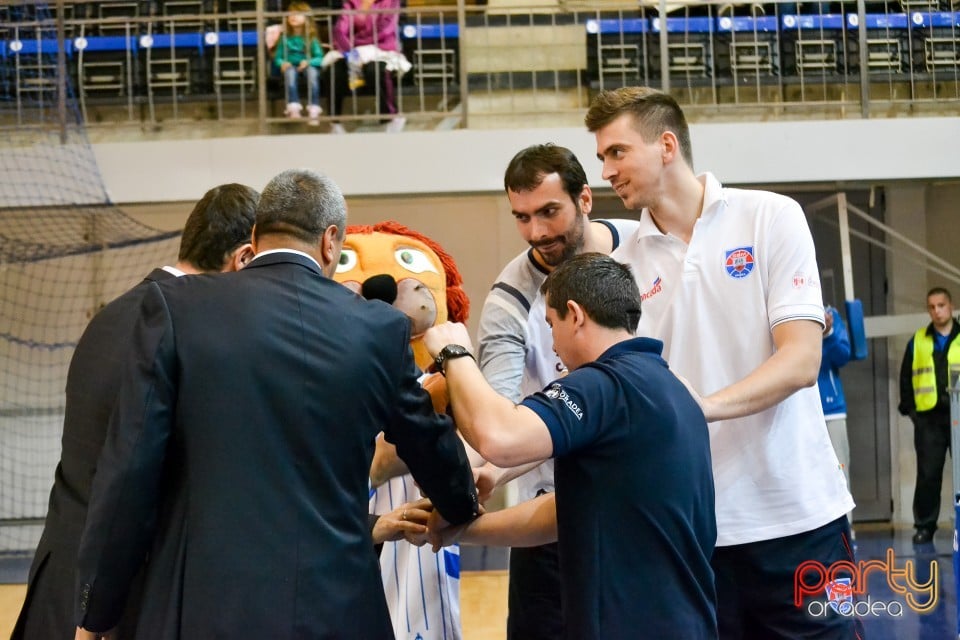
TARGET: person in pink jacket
(366,35)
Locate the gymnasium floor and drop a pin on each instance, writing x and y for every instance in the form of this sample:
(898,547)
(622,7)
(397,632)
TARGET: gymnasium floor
(873,543)
(483,593)
(484,588)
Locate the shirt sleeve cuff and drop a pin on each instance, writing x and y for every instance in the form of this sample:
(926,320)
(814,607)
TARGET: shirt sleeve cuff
(544,411)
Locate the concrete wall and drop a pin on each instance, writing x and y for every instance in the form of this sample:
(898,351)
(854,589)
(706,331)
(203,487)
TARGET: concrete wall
(905,208)
(926,213)
(465,161)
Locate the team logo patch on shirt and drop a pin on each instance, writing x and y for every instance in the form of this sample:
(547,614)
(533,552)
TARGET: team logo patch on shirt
(556,392)
(801,279)
(655,288)
(739,262)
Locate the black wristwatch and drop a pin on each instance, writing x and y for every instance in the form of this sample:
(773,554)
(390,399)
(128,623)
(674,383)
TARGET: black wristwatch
(450,352)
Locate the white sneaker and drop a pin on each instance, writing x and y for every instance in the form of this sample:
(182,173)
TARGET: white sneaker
(396,125)
(293,110)
(337,128)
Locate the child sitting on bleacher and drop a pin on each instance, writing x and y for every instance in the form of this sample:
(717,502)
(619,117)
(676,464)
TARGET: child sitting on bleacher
(367,54)
(299,51)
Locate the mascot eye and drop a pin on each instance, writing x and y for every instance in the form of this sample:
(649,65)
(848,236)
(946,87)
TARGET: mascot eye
(348,260)
(414,260)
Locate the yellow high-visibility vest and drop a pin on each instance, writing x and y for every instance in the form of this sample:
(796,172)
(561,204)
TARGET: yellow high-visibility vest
(924,377)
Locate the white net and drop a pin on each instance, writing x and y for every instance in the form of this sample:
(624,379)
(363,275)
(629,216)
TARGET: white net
(65,251)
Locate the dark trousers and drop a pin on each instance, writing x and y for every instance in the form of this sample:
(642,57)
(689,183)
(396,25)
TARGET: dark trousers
(755,587)
(534,594)
(376,80)
(931,439)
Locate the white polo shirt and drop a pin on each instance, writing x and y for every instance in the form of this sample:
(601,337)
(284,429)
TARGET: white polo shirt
(750,265)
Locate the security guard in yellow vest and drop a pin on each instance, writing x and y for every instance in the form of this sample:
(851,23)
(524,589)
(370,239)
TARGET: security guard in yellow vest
(924,396)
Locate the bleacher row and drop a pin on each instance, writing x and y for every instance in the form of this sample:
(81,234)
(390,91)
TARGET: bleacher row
(789,44)
(110,14)
(118,65)
(217,54)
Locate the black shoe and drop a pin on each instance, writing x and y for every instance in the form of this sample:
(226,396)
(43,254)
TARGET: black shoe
(923,536)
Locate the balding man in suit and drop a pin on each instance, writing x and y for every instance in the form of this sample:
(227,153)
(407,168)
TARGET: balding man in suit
(255,398)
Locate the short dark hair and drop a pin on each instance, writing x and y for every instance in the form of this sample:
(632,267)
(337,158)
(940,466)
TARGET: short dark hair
(303,204)
(940,290)
(530,166)
(219,223)
(605,288)
(654,112)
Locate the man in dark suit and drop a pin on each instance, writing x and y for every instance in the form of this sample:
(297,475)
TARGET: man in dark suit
(254,400)
(216,238)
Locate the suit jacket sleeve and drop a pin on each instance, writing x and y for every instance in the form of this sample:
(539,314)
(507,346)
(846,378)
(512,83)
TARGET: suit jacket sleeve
(430,446)
(122,517)
(371,523)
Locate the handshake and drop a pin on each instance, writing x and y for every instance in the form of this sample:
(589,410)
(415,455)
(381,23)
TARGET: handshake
(418,523)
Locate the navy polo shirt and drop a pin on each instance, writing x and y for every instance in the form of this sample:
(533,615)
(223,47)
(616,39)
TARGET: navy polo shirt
(635,502)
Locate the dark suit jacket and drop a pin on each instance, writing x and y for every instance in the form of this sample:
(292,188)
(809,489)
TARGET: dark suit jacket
(93,381)
(240,451)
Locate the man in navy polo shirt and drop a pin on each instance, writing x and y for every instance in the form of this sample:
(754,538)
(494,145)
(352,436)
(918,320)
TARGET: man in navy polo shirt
(634,513)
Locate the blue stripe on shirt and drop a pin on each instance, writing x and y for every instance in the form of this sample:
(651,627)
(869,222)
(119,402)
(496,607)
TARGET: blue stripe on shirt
(423,590)
(515,293)
(443,609)
(451,563)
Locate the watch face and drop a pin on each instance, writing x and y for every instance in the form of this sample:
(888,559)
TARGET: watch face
(448,352)
(453,350)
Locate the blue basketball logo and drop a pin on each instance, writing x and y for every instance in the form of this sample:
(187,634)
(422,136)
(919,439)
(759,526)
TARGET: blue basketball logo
(739,262)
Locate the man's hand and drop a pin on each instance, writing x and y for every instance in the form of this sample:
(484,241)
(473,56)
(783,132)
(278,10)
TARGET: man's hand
(485,478)
(406,522)
(284,66)
(436,338)
(303,65)
(441,533)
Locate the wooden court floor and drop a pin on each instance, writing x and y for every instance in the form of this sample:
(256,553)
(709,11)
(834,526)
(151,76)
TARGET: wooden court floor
(483,605)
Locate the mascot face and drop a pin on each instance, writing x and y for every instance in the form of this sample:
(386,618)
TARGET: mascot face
(369,262)
(405,269)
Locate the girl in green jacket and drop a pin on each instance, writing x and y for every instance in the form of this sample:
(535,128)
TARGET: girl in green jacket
(299,51)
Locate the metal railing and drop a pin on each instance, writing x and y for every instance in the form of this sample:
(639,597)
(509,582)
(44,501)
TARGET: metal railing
(477,66)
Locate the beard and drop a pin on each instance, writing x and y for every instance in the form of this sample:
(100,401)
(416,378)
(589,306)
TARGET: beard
(569,244)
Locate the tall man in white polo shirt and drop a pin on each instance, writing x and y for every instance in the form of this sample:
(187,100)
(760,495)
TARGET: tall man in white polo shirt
(730,284)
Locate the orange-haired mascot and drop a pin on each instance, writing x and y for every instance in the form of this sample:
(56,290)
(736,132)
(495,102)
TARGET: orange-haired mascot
(389,262)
